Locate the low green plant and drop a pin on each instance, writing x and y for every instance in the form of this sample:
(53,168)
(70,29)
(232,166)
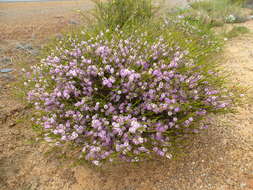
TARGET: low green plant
(237,31)
(119,13)
(240,2)
(248,4)
(216,12)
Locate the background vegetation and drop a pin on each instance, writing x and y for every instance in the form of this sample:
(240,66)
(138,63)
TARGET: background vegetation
(215,12)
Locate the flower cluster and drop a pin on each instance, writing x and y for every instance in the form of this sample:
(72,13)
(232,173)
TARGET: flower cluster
(230,18)
(121,96)
(193,34)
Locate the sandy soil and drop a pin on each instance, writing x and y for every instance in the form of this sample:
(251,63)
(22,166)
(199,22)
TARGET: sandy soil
(24,28)
(38,19)
(219,159)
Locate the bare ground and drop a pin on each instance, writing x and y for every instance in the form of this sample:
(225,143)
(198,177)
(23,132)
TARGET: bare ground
(219,159)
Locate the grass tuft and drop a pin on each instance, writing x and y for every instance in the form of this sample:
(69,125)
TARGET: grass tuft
(216,12)
(237,31)
(119,13)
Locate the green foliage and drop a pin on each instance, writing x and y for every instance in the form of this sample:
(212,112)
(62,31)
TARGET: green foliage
(248,4)
(120,13)
(216,12)
(241,2)
(237,31)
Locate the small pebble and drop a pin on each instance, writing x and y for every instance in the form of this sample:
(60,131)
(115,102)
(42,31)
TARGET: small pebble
(34,52)
(243,185)
(23,46)
(7,70)
(59,36)
(5,60)
(73,22)
(250,17)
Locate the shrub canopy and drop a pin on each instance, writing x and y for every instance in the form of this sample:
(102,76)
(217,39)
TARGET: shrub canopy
(125,96)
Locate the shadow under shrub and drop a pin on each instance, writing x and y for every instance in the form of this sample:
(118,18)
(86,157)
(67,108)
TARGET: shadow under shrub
(120,95)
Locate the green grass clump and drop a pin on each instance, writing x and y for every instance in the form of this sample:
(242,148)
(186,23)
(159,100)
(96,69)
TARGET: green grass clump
(120,13)
(238,1)
(216,12)
(237,31)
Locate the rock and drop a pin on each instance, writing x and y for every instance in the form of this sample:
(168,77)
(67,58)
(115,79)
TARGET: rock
(33,37)
(23,46)
(28,48)
(34,52)
(243,185)
(12,124)
(34,184)
(250,17)
(59,36)
(5,61)
(59,17)
(248,4)
(74,22)
(6,77)
(19,46)
(6,70)
(240,19)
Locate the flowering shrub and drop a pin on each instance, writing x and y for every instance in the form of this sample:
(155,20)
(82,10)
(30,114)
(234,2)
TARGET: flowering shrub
(123,96)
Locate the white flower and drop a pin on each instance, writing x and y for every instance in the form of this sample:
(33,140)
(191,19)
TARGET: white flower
(134,126)
(169,156)
(96,162)
(169,113)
